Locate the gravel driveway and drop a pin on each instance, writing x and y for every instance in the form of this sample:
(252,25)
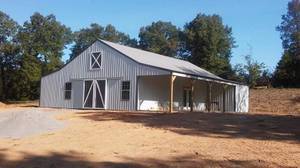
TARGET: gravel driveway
(25,122)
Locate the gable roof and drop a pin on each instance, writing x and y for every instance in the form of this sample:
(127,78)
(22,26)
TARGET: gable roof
(162,61)
(158,61)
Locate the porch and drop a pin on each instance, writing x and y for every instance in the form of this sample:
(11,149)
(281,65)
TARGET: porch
(184,93)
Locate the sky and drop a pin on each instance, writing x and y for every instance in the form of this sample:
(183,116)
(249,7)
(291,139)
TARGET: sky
(253,21)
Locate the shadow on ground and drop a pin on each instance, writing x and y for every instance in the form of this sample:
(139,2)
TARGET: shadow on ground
(221,125)
(296,99)
(75,160)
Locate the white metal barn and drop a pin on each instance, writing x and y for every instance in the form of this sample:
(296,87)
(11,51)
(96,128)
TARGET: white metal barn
(112,76)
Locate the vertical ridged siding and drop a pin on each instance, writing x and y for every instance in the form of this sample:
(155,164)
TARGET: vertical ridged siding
(217,98)
(115,68)
(242,98)
(77,94)
(157,89)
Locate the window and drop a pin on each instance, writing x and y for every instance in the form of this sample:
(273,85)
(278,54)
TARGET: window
(96,59)
(125,90)
(68,90)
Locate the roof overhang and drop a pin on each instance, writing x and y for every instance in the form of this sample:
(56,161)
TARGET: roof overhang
(227,82)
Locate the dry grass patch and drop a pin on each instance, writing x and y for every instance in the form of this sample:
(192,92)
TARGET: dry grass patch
(275,101)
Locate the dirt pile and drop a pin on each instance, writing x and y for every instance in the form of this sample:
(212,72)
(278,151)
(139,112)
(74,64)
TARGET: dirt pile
(276,101)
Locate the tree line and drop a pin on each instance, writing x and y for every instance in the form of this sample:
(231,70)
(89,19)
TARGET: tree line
(35,48)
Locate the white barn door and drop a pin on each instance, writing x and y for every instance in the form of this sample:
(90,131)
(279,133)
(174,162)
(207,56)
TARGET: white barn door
(94,94)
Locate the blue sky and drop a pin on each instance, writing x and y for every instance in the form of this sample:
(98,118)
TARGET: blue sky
(253,21)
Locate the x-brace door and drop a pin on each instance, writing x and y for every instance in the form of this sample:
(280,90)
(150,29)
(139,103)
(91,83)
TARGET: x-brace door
(94,94)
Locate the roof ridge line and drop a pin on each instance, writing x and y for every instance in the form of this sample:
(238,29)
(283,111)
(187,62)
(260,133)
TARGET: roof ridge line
(144,50)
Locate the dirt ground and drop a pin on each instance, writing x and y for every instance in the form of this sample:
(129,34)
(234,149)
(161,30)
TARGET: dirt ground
(275,101)
(129,139)
(18,105)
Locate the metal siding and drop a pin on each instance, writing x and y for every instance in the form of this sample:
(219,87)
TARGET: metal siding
(200,95)
(115,66)
(217,97)
(113,88)
(77,93)
(242,98)
(154,93)
(199,92)
(230,99)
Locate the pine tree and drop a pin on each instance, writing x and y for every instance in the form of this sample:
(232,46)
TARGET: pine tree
(287,73)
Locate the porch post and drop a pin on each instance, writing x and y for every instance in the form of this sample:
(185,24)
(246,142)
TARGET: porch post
(192,95)
(224,97)
(208,99)
(172,79)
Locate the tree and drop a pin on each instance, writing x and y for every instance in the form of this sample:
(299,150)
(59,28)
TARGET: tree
(160,37)
(86,36)
(9,58)
(44,38)
(287,73)
(265,79)
(208,44)
(29,75)
(251,71)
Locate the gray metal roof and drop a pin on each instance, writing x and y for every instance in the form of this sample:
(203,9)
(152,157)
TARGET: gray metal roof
(162,61)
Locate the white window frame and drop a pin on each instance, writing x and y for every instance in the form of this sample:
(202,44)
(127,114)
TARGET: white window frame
(96,61)
(125,90)
(67,90)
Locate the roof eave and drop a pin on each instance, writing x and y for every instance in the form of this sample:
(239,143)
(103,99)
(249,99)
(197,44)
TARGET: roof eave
(205,78)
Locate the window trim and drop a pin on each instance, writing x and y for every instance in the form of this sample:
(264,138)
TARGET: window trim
(101,62)
(68,90)
(127,90)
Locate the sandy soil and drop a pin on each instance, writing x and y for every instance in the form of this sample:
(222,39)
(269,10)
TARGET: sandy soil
(97,139)
(265,137)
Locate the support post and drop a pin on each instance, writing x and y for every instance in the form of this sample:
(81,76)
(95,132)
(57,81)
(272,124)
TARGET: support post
(172,79)
(192,95)
(137,95)
(234,92)
(224,98)
(208,99)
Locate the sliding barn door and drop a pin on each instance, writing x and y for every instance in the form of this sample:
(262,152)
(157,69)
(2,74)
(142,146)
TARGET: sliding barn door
(94,94)
(88,94)
(100,93)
